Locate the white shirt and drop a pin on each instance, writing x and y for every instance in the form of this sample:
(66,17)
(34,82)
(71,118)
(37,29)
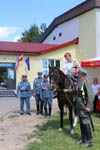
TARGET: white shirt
(69,65)
(95,88)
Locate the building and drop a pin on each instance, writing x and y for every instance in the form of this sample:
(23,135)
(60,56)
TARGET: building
(83,22)
(41,56)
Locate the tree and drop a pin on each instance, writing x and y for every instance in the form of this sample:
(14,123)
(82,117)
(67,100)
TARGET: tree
(43,28)
(33,34)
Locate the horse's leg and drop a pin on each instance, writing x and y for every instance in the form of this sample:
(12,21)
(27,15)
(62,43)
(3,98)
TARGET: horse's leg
(71,119)
(61,117)
(75,119)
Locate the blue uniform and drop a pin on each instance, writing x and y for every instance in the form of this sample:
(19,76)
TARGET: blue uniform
(36,85)
(36,89)
(46,95)
(24,92)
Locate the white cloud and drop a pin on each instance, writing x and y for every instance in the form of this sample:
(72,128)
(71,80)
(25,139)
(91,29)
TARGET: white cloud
(16,38)
(7,31)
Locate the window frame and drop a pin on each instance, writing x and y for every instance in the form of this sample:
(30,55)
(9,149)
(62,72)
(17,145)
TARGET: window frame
(46,70)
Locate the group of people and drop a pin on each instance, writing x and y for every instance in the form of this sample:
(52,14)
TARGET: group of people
(41,91)
(43,96)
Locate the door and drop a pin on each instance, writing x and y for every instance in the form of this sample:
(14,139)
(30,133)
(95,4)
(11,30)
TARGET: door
(11,77)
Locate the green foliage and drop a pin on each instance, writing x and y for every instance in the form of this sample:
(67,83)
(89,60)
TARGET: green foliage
(52,139)
(33,34)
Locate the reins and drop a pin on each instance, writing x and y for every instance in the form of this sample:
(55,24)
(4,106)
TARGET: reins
(66,95)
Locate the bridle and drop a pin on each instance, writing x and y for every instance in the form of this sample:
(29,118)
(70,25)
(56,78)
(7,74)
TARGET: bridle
(56,79)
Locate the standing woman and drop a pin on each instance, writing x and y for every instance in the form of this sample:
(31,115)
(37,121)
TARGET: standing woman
(95,87)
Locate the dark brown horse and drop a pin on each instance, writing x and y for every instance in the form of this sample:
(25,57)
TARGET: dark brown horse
(60,81)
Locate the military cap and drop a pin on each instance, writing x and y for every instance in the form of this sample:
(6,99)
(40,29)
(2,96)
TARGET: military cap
(39,73)
(24,76)
(45,76)
(82,72)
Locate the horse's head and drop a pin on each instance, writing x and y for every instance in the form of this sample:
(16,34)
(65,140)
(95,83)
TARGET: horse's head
(54,76)
(58,78)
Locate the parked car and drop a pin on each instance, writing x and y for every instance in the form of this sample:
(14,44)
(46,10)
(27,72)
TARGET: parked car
(4,84)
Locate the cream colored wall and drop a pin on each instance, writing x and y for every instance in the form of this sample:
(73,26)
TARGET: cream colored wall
(36,62)
(59,54)
(98,32)
(87,35)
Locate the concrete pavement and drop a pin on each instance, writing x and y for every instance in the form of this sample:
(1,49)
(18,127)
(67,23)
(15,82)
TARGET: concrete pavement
(8,104)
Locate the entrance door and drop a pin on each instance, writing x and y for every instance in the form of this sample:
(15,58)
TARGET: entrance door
(7,76)
(3,78)
(11,77)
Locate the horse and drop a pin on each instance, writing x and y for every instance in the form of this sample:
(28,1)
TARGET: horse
(60,81)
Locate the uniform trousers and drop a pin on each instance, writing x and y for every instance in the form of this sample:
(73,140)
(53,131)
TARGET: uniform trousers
(27,101)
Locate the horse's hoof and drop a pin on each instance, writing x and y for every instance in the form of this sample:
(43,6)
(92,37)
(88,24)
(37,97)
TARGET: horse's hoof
(60,129)
(72,132)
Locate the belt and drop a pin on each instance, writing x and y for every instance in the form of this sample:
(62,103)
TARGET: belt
(37,86)
(46,89)
(24,90)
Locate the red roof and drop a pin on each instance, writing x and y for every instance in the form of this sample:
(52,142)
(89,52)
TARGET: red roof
(17,48)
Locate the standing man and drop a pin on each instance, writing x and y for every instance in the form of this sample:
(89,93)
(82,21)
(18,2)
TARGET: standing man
(84,104)
(24,92)
(36,92)
(46,95)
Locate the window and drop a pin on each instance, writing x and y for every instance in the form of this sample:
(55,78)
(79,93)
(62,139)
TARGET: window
(54,38)
(50,62)
(60,34)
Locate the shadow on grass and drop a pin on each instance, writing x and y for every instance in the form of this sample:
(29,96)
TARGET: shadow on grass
(54,124)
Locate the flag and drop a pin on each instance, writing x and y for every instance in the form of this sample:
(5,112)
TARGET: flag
(16,66)
(27,61)
(18,59)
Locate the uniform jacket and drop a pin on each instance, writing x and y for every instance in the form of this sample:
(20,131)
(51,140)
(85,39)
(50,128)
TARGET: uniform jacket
(84,91)
(24,89)
(45,91)
(36,85)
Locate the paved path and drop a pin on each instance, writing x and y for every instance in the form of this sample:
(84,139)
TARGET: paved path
(15,128)
(11,104)
(8,104)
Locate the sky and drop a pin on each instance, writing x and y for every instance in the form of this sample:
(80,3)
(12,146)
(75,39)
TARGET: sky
(16,16)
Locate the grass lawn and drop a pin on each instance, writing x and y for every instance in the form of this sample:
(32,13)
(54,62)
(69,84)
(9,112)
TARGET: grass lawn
(52,139)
